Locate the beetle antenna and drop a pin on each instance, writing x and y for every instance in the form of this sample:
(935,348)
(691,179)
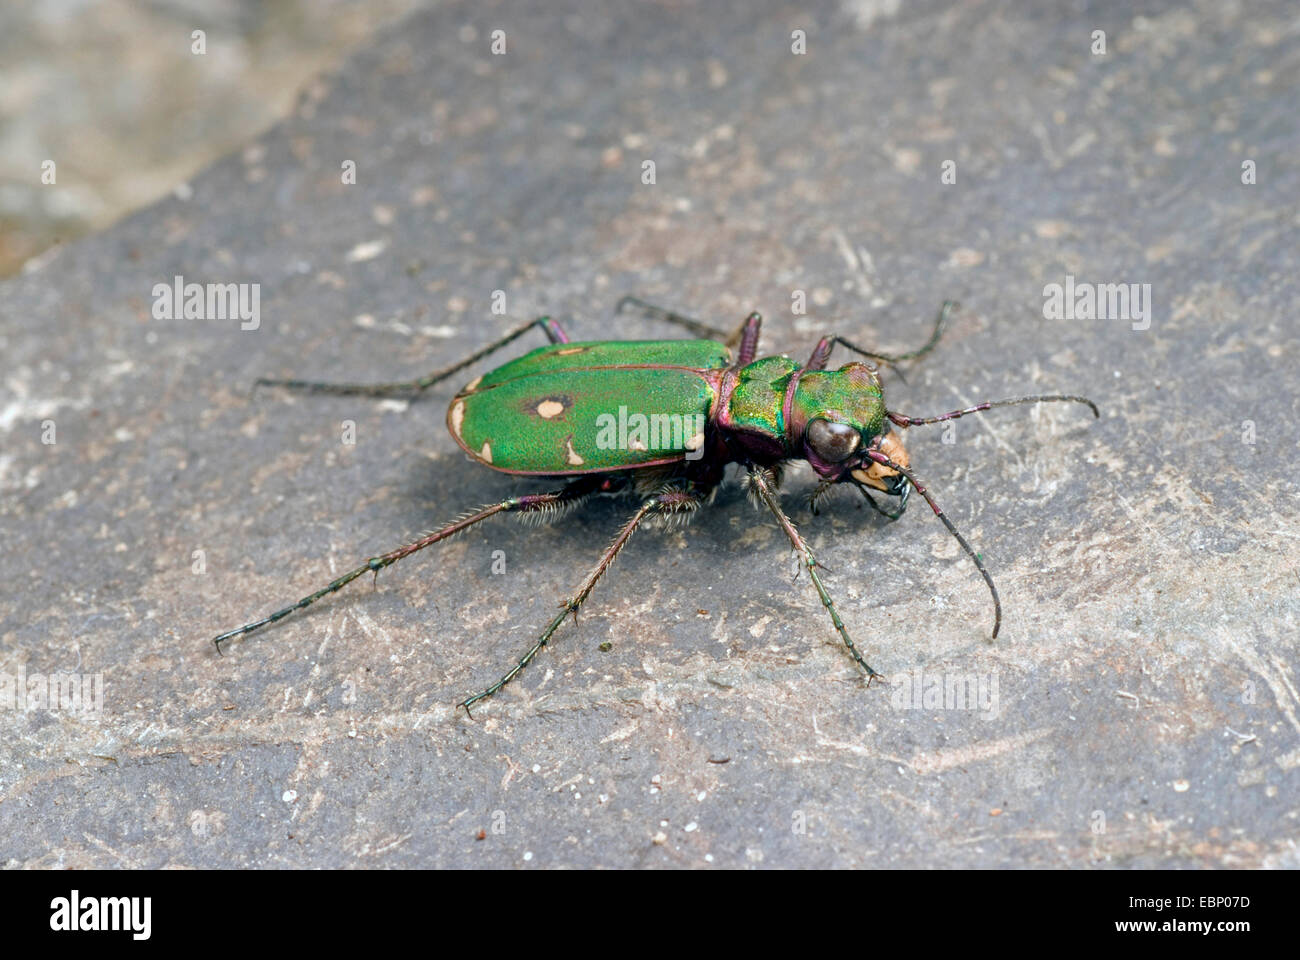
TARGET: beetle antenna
(905,421)
(895,358)
(884,461)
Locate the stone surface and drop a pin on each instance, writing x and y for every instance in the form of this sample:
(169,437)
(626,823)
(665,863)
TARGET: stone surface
(116,96)
(1146,707)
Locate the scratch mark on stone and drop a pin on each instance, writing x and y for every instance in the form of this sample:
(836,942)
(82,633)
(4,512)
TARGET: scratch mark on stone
(940,760)
(988,427)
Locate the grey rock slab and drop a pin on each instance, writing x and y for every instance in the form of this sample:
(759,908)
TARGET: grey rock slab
(1145,707)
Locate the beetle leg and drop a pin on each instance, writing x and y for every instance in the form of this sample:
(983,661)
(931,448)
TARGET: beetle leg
(696,327)
(667,503)
(887,514)
(408,388)
(763,486)
(746,335)
(821,354)
(543,503)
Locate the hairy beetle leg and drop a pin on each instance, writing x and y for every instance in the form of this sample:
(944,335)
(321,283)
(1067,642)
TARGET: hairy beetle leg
(567,496)
(664,503)
(408,388)
(761,482)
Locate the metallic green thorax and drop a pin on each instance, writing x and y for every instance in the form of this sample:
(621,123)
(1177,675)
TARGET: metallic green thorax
(598,406)
(758,400)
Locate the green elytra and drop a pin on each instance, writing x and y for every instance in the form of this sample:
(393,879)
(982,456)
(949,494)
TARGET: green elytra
(660,420)
(547,413)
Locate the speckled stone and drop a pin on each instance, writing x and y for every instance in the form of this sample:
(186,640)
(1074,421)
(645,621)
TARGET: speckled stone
(1141,705)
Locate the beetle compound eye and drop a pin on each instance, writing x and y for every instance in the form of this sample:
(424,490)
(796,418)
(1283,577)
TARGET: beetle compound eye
(833,442)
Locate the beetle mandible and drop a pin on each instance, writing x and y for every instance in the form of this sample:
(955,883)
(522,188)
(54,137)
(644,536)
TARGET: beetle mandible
(660,420)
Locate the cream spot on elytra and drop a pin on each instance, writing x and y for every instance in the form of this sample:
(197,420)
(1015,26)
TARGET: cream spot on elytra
(549,409)
(457,416)
(571,454)
(570,350)
(474,383)
(486,453)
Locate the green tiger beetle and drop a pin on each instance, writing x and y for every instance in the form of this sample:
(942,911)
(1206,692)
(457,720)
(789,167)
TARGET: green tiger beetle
(660,420)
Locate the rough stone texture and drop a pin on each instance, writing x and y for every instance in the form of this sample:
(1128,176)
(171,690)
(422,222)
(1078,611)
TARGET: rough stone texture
(1147,561)
(113,93)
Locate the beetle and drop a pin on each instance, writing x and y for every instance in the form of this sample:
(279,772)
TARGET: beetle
(660,420)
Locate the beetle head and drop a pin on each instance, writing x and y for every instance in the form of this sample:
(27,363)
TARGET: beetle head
(837,416)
